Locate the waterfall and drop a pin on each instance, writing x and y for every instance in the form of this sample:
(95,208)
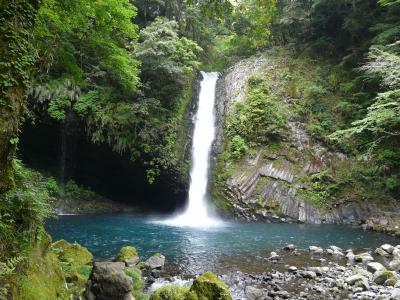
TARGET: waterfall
(197,213)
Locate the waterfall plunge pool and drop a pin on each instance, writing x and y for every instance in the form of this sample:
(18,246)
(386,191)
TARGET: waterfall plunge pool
(233,247)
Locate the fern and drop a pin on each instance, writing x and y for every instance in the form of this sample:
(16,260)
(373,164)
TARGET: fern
(6,269)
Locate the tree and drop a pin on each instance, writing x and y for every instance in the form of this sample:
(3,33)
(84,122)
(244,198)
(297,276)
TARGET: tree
(16,22)
(166,60)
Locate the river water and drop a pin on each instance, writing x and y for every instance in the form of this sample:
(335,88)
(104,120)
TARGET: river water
(234,246)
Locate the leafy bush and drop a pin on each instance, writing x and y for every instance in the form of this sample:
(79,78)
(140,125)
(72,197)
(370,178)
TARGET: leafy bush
(260,118)
(238,147)
(23,211)
(53,187)
(73,190)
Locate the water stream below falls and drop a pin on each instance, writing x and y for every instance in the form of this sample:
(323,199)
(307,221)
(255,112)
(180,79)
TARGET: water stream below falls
(234,246)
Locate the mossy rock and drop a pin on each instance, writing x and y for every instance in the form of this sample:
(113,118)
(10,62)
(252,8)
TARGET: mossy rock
(74,254)
(126,253)
(209,286)
(42,278)
(172,292)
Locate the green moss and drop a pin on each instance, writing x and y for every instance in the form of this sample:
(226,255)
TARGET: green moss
(138,283)
(126,253)
(41,278)
(74,253)
(171,292)
(209,286)
(76,264)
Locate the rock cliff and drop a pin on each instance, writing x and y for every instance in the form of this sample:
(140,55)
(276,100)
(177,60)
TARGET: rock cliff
(272,182)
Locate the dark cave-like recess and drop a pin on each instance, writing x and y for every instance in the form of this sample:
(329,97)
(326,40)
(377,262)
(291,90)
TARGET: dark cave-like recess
(96,166)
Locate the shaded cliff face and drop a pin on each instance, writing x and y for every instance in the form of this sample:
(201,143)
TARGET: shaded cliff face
(293,178)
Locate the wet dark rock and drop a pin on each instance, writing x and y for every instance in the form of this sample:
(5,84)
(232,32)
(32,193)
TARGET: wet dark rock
(108,281)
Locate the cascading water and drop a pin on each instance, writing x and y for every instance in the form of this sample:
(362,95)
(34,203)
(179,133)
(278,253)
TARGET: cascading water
(197,213)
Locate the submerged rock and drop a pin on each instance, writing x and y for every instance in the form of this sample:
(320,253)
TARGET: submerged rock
(274,256)
(289,247)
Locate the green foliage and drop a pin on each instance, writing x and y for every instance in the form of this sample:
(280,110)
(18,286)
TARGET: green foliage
(76,264)
(253,24)
(7,268)
(166,60)
(73,190)
(260,118)
(16,58)
(53,187)
(238,147)
(23,211)
(137,282)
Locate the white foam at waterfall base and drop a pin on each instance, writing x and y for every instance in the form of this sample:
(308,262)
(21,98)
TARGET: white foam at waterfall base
(197,212)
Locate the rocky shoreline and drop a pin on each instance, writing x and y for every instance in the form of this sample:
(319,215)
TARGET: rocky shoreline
(331,273)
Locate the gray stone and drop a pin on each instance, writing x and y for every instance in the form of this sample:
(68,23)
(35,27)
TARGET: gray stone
(316,250)
(395,294)
(375,266)
(353,279)
(335,248)
(292,269)
(381,252)
(308,274)
(274,256)
(156,262)
(388,248)
(253,293)
(132,261)
(108,281)
(289,247)
(358,281)
(395,264)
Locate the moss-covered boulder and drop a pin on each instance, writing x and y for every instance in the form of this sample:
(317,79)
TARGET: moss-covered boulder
(76,264)
(127,253)
(209,286)
(172,292)
(74,253)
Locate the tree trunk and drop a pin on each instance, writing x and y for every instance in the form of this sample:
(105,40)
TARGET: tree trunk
(16,22)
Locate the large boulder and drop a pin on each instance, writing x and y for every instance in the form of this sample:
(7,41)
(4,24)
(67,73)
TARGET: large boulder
(108,281)
(208,286)
(74,253)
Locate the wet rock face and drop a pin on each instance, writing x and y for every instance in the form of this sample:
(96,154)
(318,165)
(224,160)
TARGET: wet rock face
(108,281)
(268,185)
